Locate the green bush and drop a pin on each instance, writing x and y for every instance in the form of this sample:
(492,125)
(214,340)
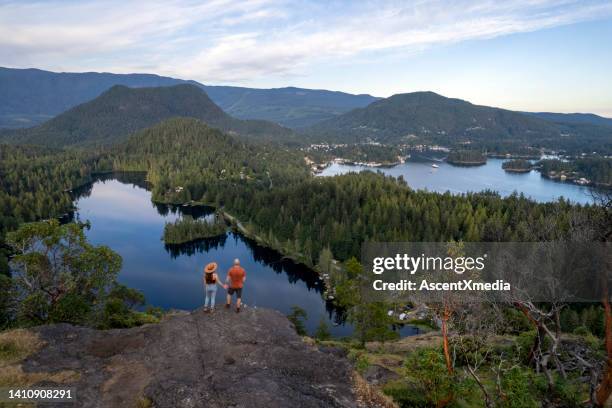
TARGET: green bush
(154,311)
(582,331)
(426,373)
(524,343)
(515,321)
(71,308)
(569,394)
(33,310)
(362,363)
(297,317)
(322,333)
(405,395)
(518,387)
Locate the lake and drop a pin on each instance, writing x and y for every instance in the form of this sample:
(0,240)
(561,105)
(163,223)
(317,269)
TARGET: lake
(123,217)
(420,175)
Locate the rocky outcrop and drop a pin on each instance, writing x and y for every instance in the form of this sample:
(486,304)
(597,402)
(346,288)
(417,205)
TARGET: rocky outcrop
(250,359)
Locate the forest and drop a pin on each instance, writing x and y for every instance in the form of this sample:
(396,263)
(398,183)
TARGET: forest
(517,165)
(315,221)
(597,170)
(467,157)
(385,155)
(188,229)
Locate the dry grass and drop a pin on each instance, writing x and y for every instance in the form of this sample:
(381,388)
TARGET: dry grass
(370,396)
(407,344)
(144,402)
(14,376)
(15,345)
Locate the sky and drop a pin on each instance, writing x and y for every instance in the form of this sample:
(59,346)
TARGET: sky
(534,55)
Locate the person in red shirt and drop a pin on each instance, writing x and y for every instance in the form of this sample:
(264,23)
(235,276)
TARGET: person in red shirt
(236,276)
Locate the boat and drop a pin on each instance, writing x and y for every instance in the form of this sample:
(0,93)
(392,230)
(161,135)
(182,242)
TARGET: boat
(435,166)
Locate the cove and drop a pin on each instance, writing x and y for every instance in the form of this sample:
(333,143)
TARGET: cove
(123,217)
(420,175)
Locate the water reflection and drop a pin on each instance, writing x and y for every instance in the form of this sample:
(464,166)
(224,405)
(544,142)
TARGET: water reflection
(123,217)
(195,211)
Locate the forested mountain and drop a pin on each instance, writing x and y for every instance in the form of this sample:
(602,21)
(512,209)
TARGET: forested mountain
(573,118)
(429,117)
(31,96)
(186,153)
(120,111)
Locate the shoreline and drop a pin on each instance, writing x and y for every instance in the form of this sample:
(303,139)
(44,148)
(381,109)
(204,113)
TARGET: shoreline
(517,170)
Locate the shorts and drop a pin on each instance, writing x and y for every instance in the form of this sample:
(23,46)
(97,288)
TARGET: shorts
(237,291)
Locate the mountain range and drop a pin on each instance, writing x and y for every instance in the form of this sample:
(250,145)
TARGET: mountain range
(418,117)
(429,117)
(31,96)
(121,111)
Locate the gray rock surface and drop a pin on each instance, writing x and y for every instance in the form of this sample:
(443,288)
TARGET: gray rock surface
(378,375)
(250,359)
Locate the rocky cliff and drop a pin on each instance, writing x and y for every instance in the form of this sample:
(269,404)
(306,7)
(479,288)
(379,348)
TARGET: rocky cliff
(250,359)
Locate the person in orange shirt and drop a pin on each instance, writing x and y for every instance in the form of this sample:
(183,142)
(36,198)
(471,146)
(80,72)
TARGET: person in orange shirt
(236,276)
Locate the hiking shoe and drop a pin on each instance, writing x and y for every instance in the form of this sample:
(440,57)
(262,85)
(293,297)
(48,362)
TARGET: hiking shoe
(237,310)
(227,305)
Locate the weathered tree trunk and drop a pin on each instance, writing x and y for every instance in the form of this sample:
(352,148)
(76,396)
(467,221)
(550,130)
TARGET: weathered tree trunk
(445,317)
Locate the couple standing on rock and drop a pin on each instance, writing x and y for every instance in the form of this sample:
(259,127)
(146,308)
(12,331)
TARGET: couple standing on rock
(234,282)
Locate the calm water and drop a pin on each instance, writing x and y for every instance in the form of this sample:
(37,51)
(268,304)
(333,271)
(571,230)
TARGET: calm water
(123,217)
(420,175)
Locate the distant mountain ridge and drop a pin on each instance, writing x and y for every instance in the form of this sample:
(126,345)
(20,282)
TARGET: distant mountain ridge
(121,111)
(31,96)
(402,116)
(430,117)
(573,118)
(292,107)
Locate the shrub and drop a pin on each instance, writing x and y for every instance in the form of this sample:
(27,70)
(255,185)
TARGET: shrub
(297,317)
(405,395)
(582,331)
(569,394)
(71,308)
(515,321)
(518,388)
(322,332)
(426,373)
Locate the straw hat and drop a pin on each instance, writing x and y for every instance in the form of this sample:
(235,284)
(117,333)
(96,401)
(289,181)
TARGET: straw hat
(211,267)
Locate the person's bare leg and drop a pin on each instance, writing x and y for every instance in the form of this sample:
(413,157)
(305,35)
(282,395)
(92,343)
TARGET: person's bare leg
(229,301)
(238,303)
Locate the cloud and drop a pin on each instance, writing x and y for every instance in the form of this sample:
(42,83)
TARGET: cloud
(230,41)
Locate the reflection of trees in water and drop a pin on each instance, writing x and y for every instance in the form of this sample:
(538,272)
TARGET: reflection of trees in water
(335,313)
(195,247)
(196,211)
(137,179)
(295,272)
(268,257)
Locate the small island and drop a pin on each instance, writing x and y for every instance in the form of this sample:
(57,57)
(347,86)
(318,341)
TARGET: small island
(188,229)
(517,166)
(467,158)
